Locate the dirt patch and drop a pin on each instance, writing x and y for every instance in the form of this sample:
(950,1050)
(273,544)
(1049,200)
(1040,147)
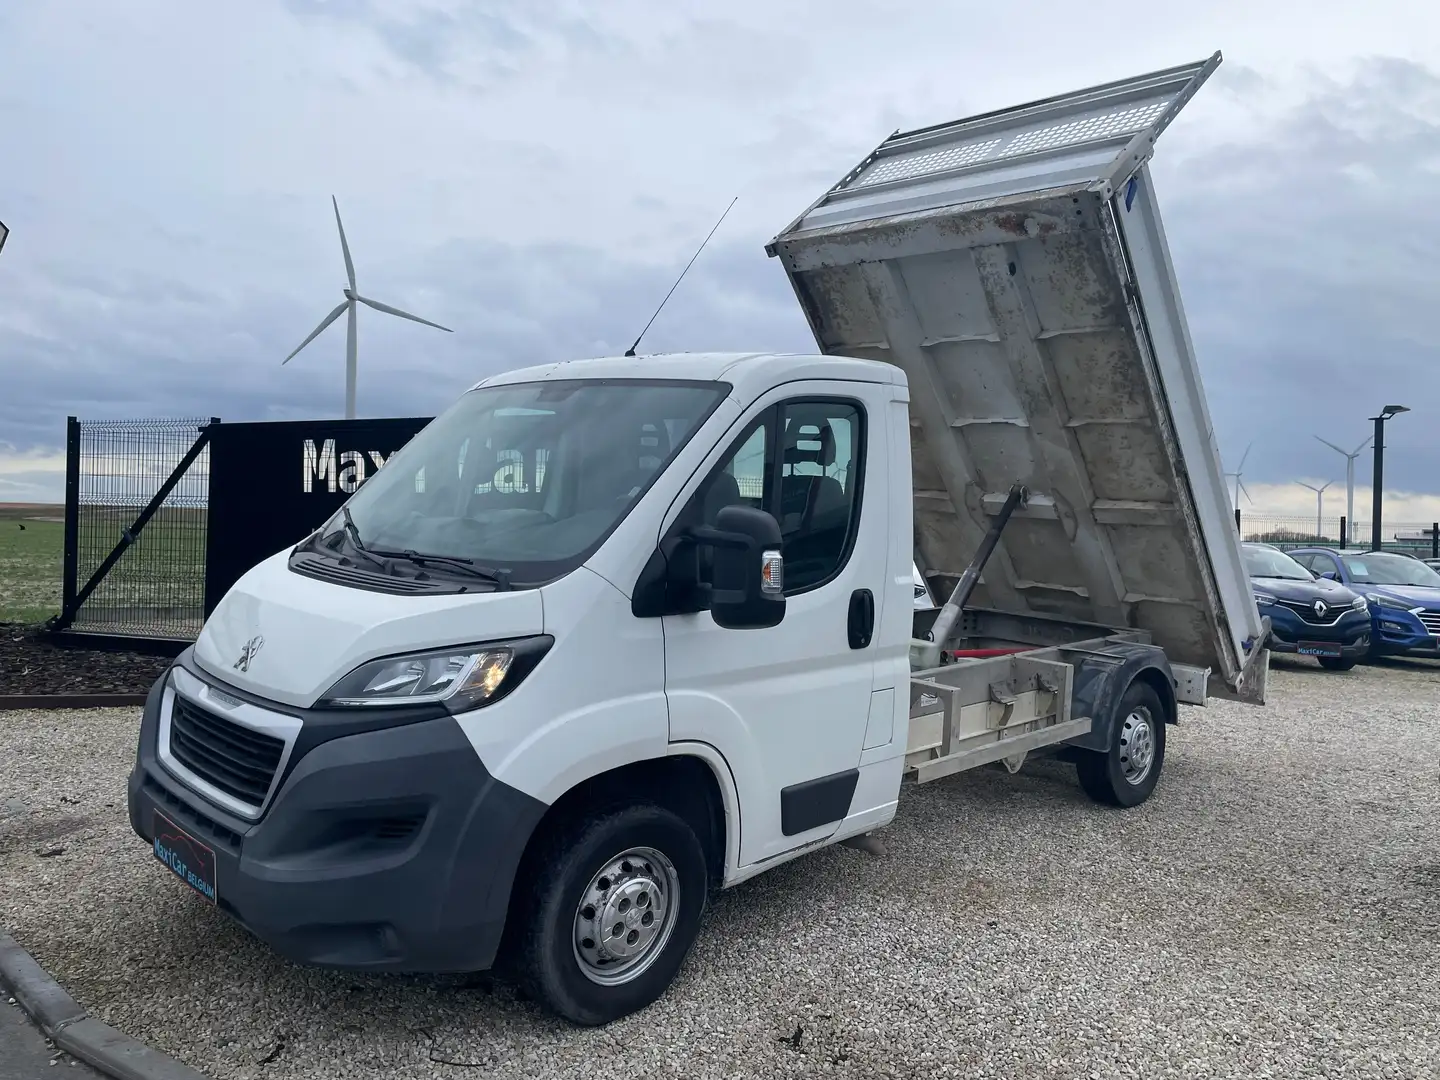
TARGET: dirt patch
(31,664)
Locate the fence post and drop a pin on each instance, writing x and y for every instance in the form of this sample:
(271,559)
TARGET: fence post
(1344,532)
(1237,523)
(1435,539)
(70,559)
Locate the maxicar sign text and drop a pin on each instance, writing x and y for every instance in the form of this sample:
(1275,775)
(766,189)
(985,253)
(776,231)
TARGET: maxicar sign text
(325,470)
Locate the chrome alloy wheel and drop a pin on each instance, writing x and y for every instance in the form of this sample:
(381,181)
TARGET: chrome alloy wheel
(626,915)
(1137,746)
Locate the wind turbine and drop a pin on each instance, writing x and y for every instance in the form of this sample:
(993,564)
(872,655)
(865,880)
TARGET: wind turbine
(348,307)
(1349,480)
(1319,506)
(1239,487)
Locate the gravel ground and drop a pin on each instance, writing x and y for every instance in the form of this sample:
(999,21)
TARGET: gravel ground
(1273,911)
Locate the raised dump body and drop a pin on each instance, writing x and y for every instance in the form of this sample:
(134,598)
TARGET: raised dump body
(1014,265)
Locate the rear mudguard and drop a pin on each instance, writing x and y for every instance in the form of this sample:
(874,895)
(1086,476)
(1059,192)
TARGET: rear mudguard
(1101,681)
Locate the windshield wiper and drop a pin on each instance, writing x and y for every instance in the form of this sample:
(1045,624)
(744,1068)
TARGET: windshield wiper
(500,578)
(359,545)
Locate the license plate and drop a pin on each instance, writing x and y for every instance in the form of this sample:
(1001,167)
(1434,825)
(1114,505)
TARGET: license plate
(187,858)
(1319,648)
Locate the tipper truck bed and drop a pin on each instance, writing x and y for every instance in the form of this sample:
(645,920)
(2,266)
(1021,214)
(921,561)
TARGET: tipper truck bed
(1015,267)
(609,633)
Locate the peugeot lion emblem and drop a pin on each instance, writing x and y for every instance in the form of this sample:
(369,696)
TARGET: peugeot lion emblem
(1320,609)
(247,653)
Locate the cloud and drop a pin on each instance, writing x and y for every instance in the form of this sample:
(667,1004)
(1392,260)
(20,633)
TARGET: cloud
(535,177)
(1308,258)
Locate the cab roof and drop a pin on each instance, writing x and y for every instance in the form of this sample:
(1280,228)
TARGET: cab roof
(742,370)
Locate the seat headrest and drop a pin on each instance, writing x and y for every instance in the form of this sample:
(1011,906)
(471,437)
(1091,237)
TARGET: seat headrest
(810,441)
(652,445)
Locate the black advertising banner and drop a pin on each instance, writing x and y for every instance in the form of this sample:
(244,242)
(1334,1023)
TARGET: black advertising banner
(272,483)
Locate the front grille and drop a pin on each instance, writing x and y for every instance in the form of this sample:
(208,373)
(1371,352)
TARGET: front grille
(1431,621)
(236,760)
(1307,612)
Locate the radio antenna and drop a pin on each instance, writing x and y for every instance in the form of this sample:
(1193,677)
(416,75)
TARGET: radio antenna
(631,351)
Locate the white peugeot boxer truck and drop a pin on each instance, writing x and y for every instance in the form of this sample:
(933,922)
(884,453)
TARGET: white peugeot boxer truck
(608,634)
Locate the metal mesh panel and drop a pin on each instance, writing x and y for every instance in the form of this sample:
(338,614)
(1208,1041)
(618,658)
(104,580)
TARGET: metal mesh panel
(1103,125)
(157,587)
(926,161)
(1106,123)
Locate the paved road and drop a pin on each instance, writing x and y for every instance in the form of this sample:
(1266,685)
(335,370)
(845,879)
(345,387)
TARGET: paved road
(24,1054)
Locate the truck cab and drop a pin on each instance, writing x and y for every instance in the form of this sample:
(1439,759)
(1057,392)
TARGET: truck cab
(513,625)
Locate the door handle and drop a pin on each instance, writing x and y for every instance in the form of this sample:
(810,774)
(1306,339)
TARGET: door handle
(860,624)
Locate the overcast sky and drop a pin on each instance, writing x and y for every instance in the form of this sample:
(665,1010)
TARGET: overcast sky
(535,182)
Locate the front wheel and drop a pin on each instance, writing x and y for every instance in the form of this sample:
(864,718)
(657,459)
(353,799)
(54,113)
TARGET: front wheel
(1126,773)
(610,912)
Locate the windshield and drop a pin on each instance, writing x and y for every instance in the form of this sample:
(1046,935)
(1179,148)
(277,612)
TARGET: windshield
(1379,568)
(529,477)
(1272,563)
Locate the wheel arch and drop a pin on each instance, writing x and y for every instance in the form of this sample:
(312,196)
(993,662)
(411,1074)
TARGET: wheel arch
(1100,683)
(693,780)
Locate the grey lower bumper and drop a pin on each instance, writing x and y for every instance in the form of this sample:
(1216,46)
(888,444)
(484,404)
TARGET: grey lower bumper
(390,849)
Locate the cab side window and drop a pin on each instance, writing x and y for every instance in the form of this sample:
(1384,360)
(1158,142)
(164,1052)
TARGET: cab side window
(803,462)
(819,488)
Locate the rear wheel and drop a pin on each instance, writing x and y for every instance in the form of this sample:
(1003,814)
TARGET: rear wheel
(1338,663)
(1126,773)
(610,912)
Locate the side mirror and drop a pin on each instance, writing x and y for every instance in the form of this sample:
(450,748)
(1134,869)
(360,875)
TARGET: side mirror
(1329,575)
(749,571)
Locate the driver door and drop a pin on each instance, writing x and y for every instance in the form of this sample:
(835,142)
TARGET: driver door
(788,705)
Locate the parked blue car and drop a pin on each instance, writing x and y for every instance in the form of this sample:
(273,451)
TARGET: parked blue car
(1403,592)
(1308,616)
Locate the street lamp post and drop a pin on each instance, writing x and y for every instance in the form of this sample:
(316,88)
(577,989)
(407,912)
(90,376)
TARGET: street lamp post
(1349,484)
(1377,487)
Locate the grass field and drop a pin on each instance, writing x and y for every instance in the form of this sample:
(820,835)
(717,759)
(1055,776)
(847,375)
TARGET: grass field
(30,562)
(156,587)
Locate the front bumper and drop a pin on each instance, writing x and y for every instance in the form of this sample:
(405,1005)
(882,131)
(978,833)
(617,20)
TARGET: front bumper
(1351,634)
(1396,632)
(387,849)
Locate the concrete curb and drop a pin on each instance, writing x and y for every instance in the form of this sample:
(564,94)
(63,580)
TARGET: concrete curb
(74,1030)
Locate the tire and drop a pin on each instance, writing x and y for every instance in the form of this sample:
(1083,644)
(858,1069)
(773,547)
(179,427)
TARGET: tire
(1113,777)
(561,957)
(1337,663)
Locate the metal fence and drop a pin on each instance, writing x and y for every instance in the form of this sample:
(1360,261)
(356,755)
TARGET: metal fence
(1420,539)
(135,527)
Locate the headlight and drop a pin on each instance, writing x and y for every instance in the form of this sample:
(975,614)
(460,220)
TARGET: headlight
(460,679)
(1390,603)
(1360,604)
(1264,599)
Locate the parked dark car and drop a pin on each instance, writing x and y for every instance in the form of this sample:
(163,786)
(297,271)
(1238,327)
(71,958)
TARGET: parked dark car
(1309,616)
(1404,595)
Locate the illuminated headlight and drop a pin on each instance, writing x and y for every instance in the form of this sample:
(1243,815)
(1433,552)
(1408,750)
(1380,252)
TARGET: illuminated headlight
(459,679)
(1264,599)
